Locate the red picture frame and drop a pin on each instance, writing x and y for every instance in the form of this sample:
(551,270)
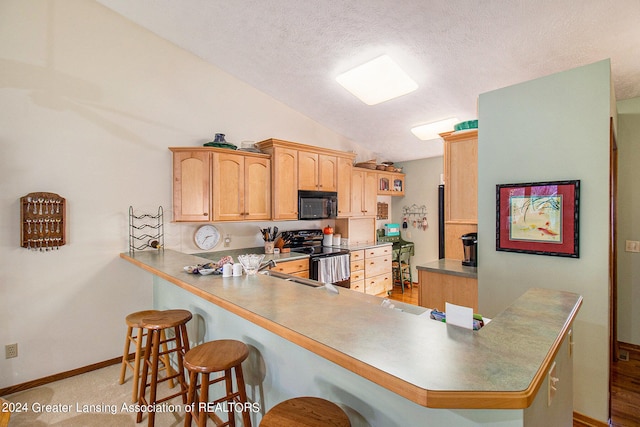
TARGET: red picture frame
(538,218)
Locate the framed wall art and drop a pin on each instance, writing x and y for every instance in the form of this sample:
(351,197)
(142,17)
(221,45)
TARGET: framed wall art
(538,218)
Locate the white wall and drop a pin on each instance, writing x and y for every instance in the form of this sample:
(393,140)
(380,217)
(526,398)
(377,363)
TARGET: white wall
(553,128)
(628,227)
(421,183)
(89,104)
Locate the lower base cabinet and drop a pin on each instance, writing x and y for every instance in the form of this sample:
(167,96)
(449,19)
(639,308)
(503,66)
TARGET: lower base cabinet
(377,270)
(357,270)
(436,289)
(299,267)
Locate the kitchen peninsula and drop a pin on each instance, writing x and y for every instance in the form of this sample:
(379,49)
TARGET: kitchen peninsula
(385,366)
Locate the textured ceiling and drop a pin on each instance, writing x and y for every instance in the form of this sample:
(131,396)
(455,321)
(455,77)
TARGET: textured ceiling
(454,49)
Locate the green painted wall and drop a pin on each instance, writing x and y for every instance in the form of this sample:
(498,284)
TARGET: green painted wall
(628,225)
(553,128)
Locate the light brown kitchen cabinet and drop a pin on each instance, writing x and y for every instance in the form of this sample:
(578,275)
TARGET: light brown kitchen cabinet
(344,177)
(461,188)
(436,289)
(215,184)
(298,267)
(317,172)
(364,192)
(377,270)
(357,270)
(284,179)
(287,160)
(390,183)
(242,189)
(191,186)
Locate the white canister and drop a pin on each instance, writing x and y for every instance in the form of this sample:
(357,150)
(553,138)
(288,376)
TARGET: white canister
(337,238)
(237,269)
(226,270)
(327,240)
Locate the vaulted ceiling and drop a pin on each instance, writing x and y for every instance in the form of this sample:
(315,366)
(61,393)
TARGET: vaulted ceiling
(454,49)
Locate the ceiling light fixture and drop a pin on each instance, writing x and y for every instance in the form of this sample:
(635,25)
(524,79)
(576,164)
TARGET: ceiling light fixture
(432,130)
(377,81)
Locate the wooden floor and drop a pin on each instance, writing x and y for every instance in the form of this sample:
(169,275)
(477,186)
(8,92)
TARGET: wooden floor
(625,375)
(410,295)
(625,389)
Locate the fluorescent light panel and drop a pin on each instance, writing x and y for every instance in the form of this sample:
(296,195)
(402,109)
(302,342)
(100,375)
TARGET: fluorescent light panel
(377,81)
(432,130)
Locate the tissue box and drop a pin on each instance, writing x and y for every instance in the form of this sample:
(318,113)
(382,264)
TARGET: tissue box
(392,229)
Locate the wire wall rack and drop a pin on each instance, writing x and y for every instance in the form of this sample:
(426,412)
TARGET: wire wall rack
(416,216)
(146,230)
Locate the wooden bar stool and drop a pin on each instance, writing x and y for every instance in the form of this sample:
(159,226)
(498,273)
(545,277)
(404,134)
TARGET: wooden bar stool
(208,358)
(133,322)
(305,411)
(155,324)
(5,413)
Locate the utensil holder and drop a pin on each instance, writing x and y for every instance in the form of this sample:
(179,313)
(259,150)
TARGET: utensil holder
(42,221)
(268,247)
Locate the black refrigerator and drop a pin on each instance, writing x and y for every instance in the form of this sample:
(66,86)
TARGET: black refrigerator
(441,221)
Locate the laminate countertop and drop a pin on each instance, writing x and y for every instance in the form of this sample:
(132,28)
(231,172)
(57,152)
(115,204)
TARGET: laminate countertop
(282,256)
(430,363)
(453,267)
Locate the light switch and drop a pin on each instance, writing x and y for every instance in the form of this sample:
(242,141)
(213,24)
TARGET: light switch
(632,246)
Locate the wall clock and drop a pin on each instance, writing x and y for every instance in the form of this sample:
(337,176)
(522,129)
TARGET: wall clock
(207,237)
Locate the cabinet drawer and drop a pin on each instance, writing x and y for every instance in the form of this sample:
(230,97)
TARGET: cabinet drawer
(357,285)
(378,284)
(289,267)
(377,266)
(357,275)
(379,251)
(357,265)
(356,255)
(304,274)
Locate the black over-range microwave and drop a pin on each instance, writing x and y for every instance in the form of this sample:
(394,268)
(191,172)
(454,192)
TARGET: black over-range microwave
(317,204)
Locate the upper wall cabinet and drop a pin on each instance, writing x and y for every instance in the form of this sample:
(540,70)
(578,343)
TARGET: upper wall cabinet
(390,183)
(191,185)
(284,181)
(364,197)
(297,166)
(317,172)
(214,184)
(345,178)
(242,187)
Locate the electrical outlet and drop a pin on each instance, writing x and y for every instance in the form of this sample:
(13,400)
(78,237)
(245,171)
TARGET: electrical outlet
(11,351)
(227,241)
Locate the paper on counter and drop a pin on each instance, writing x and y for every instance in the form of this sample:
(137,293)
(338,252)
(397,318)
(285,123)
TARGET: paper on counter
(459,315)
(426,313)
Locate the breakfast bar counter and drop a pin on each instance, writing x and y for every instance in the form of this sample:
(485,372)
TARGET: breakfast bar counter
(386,357)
